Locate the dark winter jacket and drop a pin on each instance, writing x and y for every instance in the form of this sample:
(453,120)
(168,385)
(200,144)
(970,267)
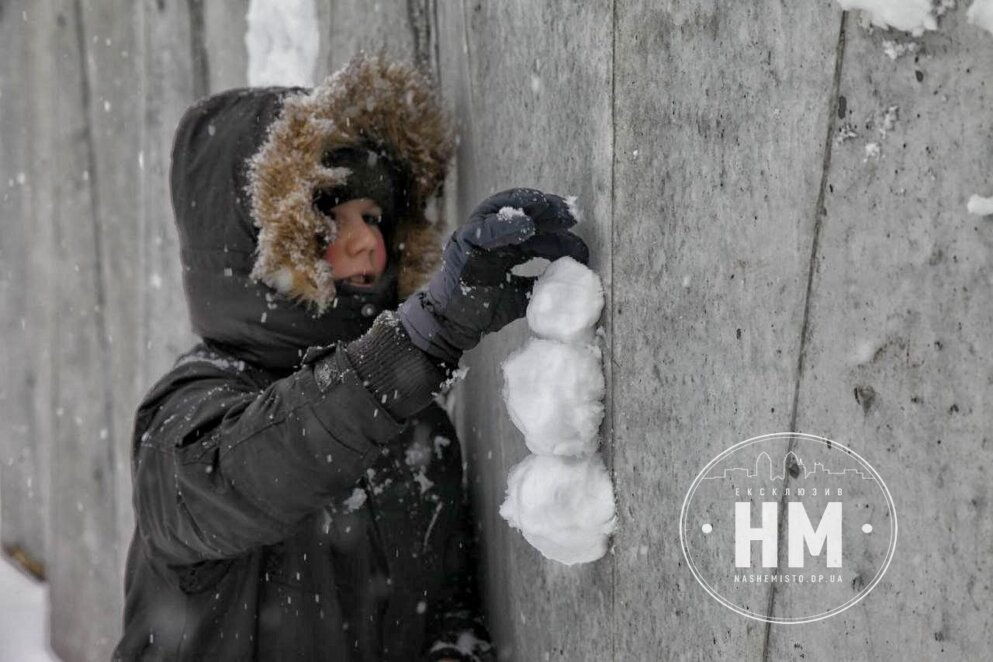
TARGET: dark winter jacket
(297,494)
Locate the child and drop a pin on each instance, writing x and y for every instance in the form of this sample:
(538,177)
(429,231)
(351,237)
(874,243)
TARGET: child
(298,495)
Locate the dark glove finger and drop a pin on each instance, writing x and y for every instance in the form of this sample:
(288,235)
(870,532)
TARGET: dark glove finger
(549,211)
(557,214)
(553,245)
(501,228)
(517,198)
(513,303)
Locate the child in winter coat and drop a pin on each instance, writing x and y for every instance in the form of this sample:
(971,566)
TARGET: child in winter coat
(298,495)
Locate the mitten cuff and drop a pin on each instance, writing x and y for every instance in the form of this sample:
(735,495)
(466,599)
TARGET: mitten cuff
(424,329)
(401,377)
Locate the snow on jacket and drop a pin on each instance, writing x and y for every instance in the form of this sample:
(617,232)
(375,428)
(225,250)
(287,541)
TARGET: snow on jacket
(298,496)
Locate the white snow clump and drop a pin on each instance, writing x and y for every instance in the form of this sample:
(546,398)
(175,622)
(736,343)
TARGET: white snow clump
(981,14)
(560,498)
(554,392)
(894,49)
(980,206)
(564,507)
(282,42)
(566,302)
(913,16)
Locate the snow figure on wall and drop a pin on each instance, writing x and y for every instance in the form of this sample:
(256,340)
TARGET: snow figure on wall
(561,498)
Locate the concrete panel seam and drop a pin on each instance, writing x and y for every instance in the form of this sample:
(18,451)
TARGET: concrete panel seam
(419,17)
(198,49)
(819,213)
(471,114)
(613,364)
(100,289)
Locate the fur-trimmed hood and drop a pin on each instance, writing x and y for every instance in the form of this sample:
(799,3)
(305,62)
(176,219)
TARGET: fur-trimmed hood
(245,168)
(372,103)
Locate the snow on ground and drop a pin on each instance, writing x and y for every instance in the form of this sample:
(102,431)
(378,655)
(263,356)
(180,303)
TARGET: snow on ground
(563,506)
(561,498)
(980,206)
(981,14)
(914,16)
(23,617)
(282,42)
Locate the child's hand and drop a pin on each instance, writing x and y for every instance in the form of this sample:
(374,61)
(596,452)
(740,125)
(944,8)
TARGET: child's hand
(475,293)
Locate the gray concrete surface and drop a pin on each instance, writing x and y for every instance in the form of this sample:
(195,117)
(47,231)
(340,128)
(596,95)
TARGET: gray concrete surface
(23,475)
(95,196)
(531,89)
(720,118)
(758,275)
(901,308)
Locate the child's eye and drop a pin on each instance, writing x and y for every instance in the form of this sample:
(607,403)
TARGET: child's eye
(372,219)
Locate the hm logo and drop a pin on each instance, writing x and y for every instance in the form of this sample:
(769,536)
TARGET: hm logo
(800,533)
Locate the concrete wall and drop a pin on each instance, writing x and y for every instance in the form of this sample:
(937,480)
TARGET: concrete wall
(759,274)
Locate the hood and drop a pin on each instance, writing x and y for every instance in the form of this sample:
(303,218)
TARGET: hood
(246,166)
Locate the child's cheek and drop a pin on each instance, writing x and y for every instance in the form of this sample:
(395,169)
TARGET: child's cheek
(379,258)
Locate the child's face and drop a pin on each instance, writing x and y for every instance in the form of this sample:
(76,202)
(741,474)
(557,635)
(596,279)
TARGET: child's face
(358,254)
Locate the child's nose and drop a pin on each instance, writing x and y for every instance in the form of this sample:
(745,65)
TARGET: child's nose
(362,237)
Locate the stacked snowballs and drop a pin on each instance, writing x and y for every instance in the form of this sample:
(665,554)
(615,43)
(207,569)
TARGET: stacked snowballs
(560,498)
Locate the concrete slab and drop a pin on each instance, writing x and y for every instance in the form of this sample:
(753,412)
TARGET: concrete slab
(23,497)
(896,361)
(225,27)
(533,103)
(96,195)
(348,26)
(721,115)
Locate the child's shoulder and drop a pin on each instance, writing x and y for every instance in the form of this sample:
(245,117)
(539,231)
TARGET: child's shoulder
(201,384)
(204,363)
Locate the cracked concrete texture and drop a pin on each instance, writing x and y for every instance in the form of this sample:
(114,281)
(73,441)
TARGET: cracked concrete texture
(902,305)
(761,275)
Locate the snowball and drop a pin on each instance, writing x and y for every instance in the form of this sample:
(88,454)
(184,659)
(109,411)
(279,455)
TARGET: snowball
(566,301)
(553,393)
(564,507)
(981,14)
(914,16)
(282,42)
(980,206)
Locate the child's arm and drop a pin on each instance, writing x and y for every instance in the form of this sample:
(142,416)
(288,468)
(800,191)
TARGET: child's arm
(221,467)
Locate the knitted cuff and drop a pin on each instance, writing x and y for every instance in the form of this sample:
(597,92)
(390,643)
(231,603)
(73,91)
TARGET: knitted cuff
(400,376)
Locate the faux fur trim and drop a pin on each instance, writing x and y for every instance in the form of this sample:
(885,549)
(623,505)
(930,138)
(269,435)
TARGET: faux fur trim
(372,102)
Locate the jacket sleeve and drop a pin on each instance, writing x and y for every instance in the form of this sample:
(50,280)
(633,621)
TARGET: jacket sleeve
(221,467)
(456,624)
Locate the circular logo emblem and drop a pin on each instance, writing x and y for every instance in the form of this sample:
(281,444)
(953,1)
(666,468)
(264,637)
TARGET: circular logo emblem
(788,528)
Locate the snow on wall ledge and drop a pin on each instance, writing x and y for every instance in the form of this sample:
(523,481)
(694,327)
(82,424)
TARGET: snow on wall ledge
(560,498)
(282,42)
(981,14)
(916,16)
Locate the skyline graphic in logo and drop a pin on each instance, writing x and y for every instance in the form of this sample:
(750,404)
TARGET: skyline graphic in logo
(788,528)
